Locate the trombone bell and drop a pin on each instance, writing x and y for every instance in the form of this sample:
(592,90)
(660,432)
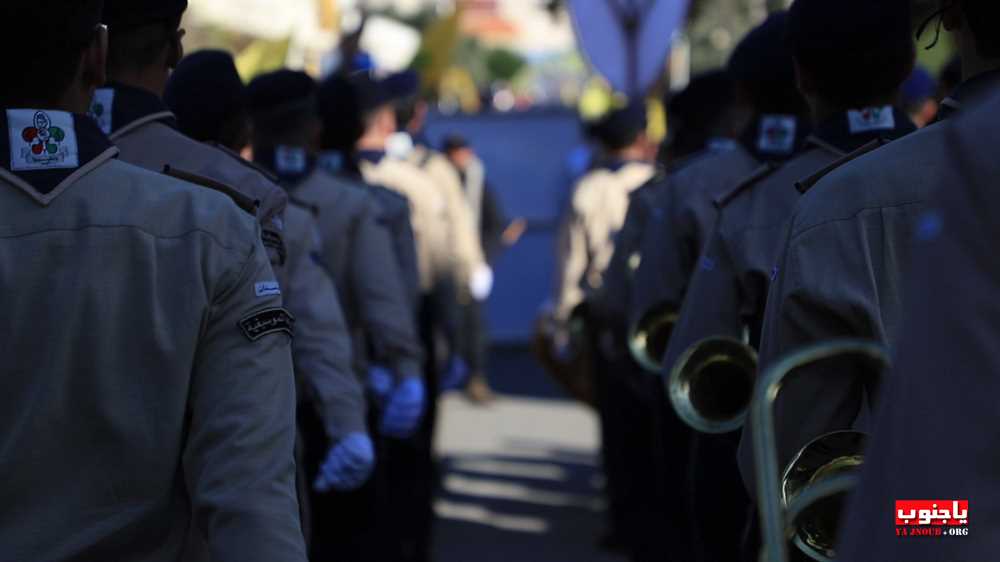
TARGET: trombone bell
(711,384)
(817,518)
(647,340)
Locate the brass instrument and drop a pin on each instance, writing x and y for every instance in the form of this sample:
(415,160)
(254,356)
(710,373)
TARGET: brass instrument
(803,504)
(573,370)
(648,338)
(711,384)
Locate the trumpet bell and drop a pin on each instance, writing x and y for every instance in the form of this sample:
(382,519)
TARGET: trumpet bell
(711,384)
(814,515)
(648,338)
(817,516)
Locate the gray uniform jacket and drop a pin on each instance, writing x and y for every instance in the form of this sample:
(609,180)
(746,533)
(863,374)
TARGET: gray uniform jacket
(142,128)
(147,374)
(937,423)
(321,349)
(672,241)
(358,252)
(839,274)
(395,216)
(728,289)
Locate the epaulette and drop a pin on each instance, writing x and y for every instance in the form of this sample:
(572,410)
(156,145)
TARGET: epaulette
(242,201)
(252,165)
(314,209)
(765,170)
(805,185)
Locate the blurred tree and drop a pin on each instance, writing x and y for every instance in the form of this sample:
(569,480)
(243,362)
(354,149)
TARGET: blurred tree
(503,65)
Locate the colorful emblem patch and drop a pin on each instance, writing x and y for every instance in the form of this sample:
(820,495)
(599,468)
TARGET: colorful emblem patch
(871,119)
(777,134)
(41,140)
(100,108)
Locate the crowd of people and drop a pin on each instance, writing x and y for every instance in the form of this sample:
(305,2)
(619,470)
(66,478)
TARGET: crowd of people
(232,307)
(795,217)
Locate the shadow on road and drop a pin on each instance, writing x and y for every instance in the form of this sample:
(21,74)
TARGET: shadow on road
(520,478)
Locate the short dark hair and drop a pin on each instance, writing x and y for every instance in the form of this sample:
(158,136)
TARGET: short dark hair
(138,47)
(983,17)
(70,27)
(851,60)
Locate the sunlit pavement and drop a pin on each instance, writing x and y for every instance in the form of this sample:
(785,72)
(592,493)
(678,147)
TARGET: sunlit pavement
(520,477)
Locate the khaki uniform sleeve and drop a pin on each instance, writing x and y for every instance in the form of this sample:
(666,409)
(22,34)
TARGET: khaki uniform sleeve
(468,248)
(572,255)
(322,345)
(659,278)
(239,462)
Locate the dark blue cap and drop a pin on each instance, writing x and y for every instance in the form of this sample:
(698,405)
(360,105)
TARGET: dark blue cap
(763,58)
(373,92)
(281,90)
(340,111)
(620,127)
(129,14)
(204,92)
(849,25)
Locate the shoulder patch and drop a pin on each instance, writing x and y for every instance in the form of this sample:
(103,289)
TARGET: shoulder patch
(242,201)
(753,179)
(267,321)
(805,185)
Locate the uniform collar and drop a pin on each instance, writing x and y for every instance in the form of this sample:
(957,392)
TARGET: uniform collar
(970,91)
(373,156)
(775,137)
(337,163)
(847,131)
(44,160)
(291,164)
(119,109)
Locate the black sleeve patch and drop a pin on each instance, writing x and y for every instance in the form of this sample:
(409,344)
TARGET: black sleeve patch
(268,321)
(273,241)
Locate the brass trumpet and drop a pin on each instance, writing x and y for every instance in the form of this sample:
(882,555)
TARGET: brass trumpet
(648,338)
(803,504)
(711,384)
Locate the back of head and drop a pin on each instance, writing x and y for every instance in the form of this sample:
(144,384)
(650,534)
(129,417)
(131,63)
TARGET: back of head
(283,107)
(43,43)
(983,17)
(764,70)
(208,97)
(852,52)
(140,31)
(341,114)
(621,127)
(699,112)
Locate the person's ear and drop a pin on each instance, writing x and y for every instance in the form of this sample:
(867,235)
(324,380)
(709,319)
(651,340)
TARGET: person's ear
(176,50)
(952,15)
(94,67)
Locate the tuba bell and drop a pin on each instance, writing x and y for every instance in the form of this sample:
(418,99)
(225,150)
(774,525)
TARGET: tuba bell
(802,505)
(648,338)
(711,384)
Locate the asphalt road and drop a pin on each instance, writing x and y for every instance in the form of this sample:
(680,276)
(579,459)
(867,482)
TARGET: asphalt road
(521,481)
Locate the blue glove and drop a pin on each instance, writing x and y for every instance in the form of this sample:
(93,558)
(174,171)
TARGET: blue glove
(380,381)
(456,376)
(348,464)
(405,408)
